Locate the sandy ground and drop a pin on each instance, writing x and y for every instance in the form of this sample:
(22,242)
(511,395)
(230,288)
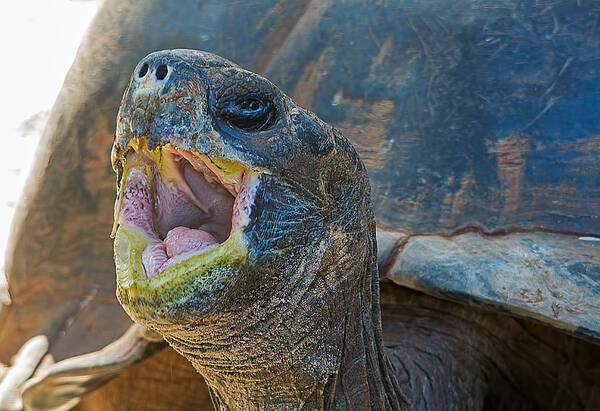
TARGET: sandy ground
(39,42)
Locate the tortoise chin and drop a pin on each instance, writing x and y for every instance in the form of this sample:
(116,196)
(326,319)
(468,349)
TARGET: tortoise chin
(179,240)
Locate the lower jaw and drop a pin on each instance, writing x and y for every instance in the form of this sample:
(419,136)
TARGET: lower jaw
(198,275)
(156,294)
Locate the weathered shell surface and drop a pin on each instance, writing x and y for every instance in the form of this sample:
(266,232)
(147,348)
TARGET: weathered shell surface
(477,114)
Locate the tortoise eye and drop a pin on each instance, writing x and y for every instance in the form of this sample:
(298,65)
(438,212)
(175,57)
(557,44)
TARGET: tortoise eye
(249,113)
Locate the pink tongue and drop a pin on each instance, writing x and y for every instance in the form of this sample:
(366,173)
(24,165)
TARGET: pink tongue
(182,239)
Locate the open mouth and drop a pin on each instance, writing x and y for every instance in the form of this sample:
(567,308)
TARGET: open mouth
(179,213)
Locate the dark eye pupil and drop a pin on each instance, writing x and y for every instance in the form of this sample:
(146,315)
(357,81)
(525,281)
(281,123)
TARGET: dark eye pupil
(253,105)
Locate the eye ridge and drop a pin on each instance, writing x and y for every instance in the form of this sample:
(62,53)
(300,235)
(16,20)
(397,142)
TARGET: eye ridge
(249,113)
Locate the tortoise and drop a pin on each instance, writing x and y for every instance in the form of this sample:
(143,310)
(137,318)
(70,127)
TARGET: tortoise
(477,129)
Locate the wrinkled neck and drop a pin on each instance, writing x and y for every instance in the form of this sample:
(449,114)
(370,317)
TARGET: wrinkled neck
(311,342)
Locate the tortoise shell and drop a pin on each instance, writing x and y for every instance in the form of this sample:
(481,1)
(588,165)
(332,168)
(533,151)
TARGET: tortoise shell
(477,123)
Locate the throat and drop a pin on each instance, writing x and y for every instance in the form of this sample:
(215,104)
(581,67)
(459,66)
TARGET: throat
(293,350)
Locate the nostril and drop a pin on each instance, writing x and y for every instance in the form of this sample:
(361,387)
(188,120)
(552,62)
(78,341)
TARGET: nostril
(161,72)
(143,70)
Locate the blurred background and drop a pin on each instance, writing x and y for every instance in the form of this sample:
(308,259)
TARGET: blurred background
(40,41)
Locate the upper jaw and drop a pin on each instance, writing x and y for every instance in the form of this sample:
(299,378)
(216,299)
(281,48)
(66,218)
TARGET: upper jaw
(178,213)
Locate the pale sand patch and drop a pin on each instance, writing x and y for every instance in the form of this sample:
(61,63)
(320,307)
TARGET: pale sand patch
(40,39)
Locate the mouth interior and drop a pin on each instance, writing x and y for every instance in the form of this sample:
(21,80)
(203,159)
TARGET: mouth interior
(183,203)
(205,205)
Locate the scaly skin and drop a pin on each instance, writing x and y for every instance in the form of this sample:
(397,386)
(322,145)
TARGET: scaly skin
(295,323)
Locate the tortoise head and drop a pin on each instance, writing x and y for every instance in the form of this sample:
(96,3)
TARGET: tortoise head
(242,223)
